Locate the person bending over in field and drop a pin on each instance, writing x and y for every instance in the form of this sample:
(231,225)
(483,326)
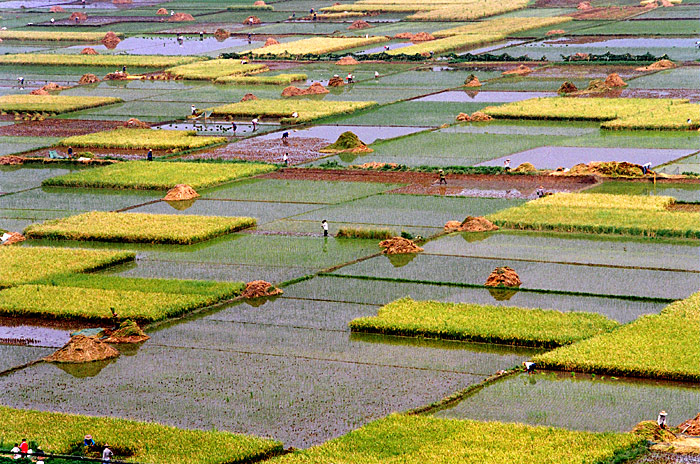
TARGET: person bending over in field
(529,367)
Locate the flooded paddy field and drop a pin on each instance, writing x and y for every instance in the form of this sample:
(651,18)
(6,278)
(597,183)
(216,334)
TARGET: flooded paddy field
(288,366)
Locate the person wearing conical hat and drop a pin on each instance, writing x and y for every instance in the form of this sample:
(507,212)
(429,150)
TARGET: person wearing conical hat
(661,420)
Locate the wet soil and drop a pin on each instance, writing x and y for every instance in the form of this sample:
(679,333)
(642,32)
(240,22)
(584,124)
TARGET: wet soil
(425,183)
(690,94)
(586,72)
(557,3)
(57,128)
(271,151)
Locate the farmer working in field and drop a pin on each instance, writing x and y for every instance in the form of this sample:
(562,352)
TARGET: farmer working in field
(194,110)
(661,420)
(443,180)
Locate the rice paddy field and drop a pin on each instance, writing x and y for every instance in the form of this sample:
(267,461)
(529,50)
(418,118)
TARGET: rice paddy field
(364,356)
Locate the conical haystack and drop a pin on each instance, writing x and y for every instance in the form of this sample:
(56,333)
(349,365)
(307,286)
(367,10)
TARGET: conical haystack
(480,116)
(161,12)
(88,51)
(525,167)
(314,89)
(134,123)
(347,61)
(359,24)
(251,20)
(661,64)
(180,17)
(271,41)
(336,81)
(472,81)
(567,87)
(691,426)
(399,245)
(111,40)
(221,34)
(422,37)
(88,79)
(81,349)
(519,71)
(128,332)
(614,80)
(260,288)
(503,277)
(181,192)
(347,143)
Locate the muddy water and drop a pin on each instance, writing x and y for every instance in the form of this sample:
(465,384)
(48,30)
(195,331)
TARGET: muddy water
(368,134)
(635,42)
(491,48)
(381,49)
(25,335)
(477,96)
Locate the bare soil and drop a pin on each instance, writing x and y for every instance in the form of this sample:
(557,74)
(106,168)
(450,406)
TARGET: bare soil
(613,12)
(268,150)
(685,207)
(57,128)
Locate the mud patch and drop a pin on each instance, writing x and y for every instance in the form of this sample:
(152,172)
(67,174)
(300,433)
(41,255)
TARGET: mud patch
(685,207)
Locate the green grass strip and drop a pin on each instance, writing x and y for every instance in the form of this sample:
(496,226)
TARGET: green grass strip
(51,103)
(57,59)
(483,323)
(662,346)
(212,69)
(414,439)
(27,264)
(159,175)
(142,138)
(307,110)
(603,214)
(138,227)
(149,442)
(366,233)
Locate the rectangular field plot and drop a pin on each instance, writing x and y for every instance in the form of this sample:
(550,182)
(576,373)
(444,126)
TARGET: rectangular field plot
(690,164)
(16,145)
(221,272)
(139,228)
(263,211)
(445,148)
(65,199)
(294,227)
(483,323)
(679,78)
(408,210)
(26,264)
(159,176)
(411,438)
(541,276)
(374,292)
(578,403)
(345,395)
(685,192)
(338,346)
(150,441)
(566,249)
(552,157)
(14,178)
(411,113)
(277,190)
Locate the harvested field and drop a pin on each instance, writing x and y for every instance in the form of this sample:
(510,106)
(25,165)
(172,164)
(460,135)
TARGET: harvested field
(57,128)
(266,150)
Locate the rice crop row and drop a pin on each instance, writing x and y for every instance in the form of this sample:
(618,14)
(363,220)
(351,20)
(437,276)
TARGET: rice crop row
(446,44)
(601,219)
(663,346)
(359,232)
(307,110)
(125,137)
(674,117)
(317,45)
(51,103)
(249,7)
(620,113)
(279,79)
(57,59)
(27,264)
(146,175)
(416,439)
(483,323)
(502,26)
(52,35)
(472,10)
(138,227)
(213,69)
(605,200)
(150,442)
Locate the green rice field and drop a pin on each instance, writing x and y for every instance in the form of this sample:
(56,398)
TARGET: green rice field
(280,330)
